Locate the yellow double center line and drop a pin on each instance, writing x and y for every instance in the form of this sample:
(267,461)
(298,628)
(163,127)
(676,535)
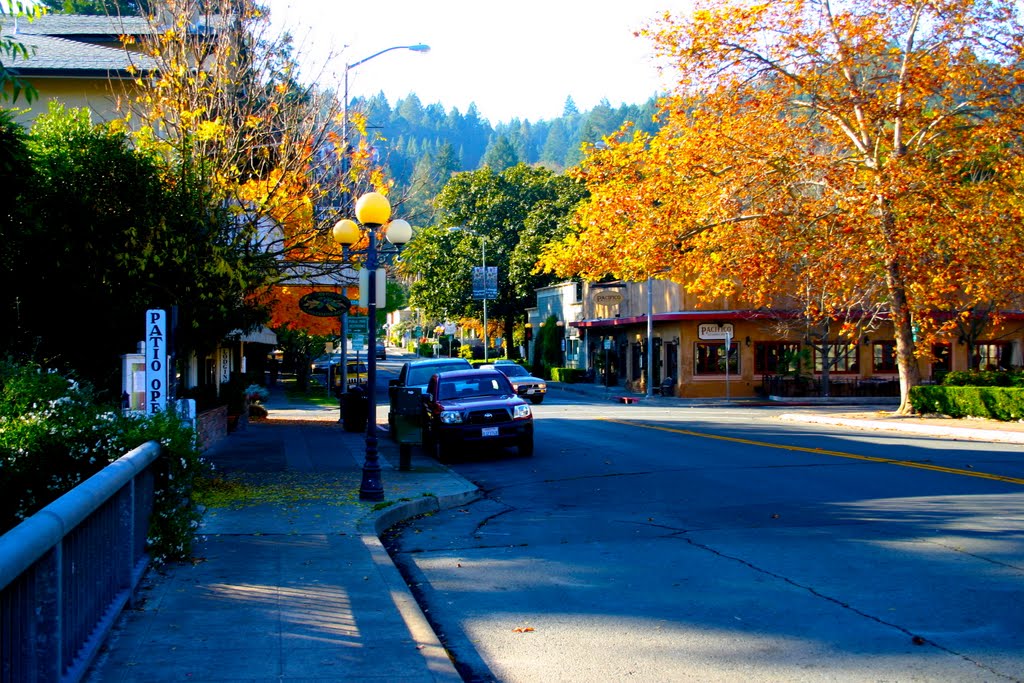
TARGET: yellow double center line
(822,451)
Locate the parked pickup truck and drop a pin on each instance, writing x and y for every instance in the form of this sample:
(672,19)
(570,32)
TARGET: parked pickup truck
(415,375)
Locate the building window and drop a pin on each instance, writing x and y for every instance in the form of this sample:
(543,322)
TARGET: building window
(883,356)
(991,356)
(772,358)
(709,358)
(842,358)
(943,358)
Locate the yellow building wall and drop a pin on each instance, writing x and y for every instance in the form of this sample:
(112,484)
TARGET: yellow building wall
(100,97)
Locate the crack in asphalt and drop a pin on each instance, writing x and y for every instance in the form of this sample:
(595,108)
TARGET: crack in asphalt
(961,551)
(917,639)
(487,520)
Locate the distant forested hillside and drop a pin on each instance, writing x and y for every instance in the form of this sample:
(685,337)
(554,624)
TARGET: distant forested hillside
(424,145)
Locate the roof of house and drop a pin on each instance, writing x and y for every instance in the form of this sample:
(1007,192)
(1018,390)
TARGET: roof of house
(81,25)
(51,57)
(83,46)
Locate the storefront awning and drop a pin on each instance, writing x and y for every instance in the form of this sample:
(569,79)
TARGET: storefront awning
(724,316)
(263,336)
(693,316)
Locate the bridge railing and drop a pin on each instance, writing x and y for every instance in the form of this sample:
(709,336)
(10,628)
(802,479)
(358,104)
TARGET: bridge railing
(68,571)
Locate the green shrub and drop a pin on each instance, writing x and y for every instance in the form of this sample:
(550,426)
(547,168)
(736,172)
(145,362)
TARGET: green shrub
(54,434)
(983,378)
(997,403)
(568,375)
(425,350)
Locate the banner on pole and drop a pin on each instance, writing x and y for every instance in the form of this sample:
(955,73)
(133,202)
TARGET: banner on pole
(485,282)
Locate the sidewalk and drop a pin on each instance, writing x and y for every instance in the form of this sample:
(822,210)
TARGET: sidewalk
(295,584)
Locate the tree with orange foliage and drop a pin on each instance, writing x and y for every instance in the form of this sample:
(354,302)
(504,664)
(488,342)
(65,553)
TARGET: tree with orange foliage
(870,147)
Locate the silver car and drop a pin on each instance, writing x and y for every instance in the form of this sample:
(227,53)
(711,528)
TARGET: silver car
(526,385)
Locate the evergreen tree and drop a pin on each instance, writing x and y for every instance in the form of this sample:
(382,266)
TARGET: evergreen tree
(500,155)
(556,146)
(569,110)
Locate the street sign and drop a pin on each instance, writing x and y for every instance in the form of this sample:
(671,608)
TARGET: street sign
(358,324)
(715,331)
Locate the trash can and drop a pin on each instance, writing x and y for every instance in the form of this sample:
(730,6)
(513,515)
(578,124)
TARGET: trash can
(355,410)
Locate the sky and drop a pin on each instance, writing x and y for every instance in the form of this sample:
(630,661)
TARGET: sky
(512,58)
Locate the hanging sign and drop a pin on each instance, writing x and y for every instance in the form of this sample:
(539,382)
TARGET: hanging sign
(156,361)
(324,304)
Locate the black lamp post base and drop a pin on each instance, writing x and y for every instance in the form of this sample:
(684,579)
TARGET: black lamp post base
(371,488)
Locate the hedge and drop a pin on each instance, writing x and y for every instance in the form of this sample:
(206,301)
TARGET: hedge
(984,378)
(997,403)
(568,375)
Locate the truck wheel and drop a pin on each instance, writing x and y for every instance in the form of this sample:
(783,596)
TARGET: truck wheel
(526,446)
(442,452)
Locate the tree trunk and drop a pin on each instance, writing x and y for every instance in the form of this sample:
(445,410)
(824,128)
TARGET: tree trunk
(902,322)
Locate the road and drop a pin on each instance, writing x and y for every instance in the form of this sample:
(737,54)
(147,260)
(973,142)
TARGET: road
(654,544)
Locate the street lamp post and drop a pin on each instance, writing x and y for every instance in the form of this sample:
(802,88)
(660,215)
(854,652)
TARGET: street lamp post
(345,205)
(483,263)
(420,47)
(372,211)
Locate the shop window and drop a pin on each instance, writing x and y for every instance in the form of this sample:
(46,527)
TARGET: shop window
(842,358)
(771,358)
(883,356)
(709,358)
(943,358)
(991,356)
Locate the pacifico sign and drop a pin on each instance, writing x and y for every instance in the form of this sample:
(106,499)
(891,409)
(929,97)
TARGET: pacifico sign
(607,298)
(715,331)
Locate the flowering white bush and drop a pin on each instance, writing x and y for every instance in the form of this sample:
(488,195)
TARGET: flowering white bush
(54,434)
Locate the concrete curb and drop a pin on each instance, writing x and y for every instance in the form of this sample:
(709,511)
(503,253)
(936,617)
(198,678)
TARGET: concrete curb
(910,428)
(370,528)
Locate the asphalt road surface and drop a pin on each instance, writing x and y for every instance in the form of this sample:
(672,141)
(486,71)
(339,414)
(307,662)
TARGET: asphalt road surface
(689,544)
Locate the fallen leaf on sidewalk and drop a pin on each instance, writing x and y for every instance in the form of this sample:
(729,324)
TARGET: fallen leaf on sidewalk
(523,629)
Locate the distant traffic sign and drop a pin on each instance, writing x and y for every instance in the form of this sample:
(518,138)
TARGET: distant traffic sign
(358,324)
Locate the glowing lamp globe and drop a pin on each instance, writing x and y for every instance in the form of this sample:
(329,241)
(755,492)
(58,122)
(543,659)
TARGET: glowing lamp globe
(345,232)
(373,208)
(399,231)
